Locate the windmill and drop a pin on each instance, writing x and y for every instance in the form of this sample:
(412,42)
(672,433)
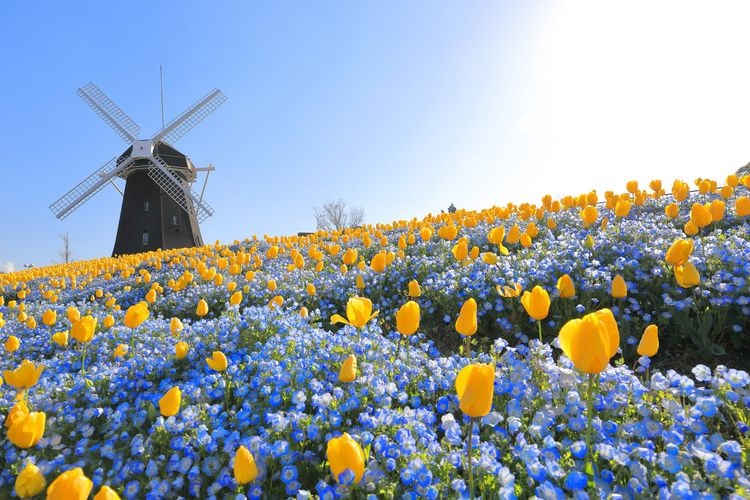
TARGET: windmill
(159,208)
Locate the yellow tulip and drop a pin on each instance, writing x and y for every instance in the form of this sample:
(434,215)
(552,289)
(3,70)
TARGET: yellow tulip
(565,287)
(589,242)
(619,288)
(175,326)
(245,469)
(690,228)
(151,296)
(303,312)
(30,482)
(12,344)
(378,263)
(60,338)
(425,233)
(17,412)
(536,303)
(687,275)
(509,292)
(475,386)
(655,185)
(448,232)
(169,403)
(121,350)
(25,376)
(358,313)
(649,344)
(136,314)
(496,235)
(70,485)
(466,324)
(181,349)
(407,318)
(30,323)
(27,430)
(525,240)
(514,234)
(632,186)
(73,314)
(742,206)
(275,301)
(672,210)
(622,208)
(345,453)
(591,341)
(310,288)
(589,215)
(551,224)
(460,250)
(108,321)
(359,282)
(348,370)
(271,285)
(217,361)
(349,257)
(489,258)
(716,208)
(106,493)
(202,308)
(700,215)
(414,289)
(235,298)
(83,329)
(49,317)
(679,252)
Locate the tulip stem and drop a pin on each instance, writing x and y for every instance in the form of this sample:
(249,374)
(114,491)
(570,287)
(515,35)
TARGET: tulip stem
(83,359)
(467,346)
(468,459)
(589,426)
(539,324)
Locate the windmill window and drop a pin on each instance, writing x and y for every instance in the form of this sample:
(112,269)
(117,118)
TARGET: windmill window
(146,206)
(145,238)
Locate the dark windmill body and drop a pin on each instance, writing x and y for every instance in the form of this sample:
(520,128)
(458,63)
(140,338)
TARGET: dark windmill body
(159,210)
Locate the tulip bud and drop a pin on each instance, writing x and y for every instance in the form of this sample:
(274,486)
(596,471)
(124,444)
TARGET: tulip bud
(70,485)
(407,318)
(202,308)
(414,289)
(12,344)
(236,298)
(181,349)
(672,210)
(742,206)
(536,303)
(136,314)
(591,341)
(27,430)
(345,453)
(565,287)
(83,329)
(121,350)
(217,361)
(60,338)
(245,469)
(466,324)
(619,288)
(169,404)
(348,370)
(30,482)
(310,288)
(649,344)
(475,386)
(49,317)
(175,326)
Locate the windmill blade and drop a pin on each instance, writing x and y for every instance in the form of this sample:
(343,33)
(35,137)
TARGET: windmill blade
(181,125)
(179,190)
(110,112)
(87,188)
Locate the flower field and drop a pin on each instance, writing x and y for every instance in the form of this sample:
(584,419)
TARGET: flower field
(498,353)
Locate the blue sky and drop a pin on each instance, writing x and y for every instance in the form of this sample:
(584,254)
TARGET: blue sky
(401,108)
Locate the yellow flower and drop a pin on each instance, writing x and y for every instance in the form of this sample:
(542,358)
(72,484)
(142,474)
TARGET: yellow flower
(591,341)
(414,289)
(632,186)
(151,296)
(175,326)
(70,485)
(12,344)
(716,208)
(359,281)
(700,215)
(690,228)
(181,349)
(245,469)
(345,453)
(619,288)
(466,324)
(358,313)
(509,292)
(136,314)
(25,376)
(310,288)
(108,321)
(169,403)
(27,430)
(106,493)
(217,361)
(460,250)
(687,275)
(348,370)
(18,412)
(83,329)
(649,344)
(679,252)
(271,285)
(496,235)
(742,206)
(303,312)
(589,215)
(349,257)
(489,258)
(73,314)
(235,299)
(60,338)
(202,308)
(475,386)
(378,262)
(49,317)
(672,210)
(121,350)
(565,287)
(622,208)
(536,303)
(425,233)
(407,318)
(30,482)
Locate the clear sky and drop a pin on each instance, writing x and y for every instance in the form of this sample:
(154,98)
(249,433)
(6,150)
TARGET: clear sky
(401,108)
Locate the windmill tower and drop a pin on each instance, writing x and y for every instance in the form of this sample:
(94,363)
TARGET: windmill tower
(159,208)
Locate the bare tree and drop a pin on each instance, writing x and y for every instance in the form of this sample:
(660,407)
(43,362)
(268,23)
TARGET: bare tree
(66,253)
(335,215)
